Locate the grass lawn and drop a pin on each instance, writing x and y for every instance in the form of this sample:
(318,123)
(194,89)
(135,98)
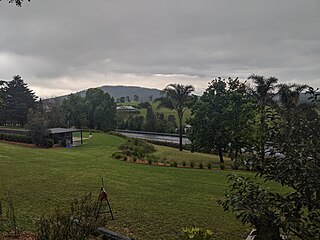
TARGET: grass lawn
(149,202)
(169,154)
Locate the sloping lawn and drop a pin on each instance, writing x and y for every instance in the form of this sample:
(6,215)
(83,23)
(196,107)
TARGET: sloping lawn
(149,202)
(169,154)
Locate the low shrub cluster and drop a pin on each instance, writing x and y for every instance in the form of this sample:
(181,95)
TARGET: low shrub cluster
(196,234)
(15,138)
(137,148)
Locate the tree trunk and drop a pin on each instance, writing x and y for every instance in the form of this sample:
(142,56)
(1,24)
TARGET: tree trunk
(180,133)
(221,155)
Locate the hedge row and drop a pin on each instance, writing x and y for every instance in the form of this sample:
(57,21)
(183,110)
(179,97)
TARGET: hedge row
(15,138)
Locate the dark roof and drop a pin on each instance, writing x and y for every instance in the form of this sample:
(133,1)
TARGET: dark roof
(63,130)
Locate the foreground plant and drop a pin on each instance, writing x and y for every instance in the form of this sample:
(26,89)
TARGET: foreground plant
(293,160)
(77,223)
(196,234)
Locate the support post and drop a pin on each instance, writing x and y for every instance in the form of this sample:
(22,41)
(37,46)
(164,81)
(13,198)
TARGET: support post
(81,137)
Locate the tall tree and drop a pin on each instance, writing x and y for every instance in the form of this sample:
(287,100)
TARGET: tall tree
(264,93)
(221,118)
(293,161)
(150,124)
(175,96)
(94,97)
(75,111)
(54,113)
(19,99)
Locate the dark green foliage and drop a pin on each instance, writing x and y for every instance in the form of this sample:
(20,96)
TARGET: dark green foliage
(54,113)
(254,205)
(96,111)
(222,118)
(184,163)
(209,165)
(15,138)
(117,155)
(144,105)
(201,165)
(18,100)
(150,124)
(192,164)
(137,147)
(38,130)
(222,166)
(292,159)
(77,223)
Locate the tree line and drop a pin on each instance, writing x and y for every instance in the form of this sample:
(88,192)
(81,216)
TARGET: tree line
(19,106)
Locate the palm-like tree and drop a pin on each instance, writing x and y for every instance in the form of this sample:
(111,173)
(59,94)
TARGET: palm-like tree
(175,97)
(263,93)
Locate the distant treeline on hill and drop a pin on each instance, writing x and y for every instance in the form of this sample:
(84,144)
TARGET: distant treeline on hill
(117,92)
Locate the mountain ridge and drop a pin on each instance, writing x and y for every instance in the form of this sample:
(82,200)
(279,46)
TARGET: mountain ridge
(145,94)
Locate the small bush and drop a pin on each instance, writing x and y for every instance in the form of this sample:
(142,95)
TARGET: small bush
(134,159)
(201,165)
(222,167)
(184,163)
(192,164)
(174,164)
(209,166)
(76,223)
(149,161)
(196,234)
(125,158)
(137,147)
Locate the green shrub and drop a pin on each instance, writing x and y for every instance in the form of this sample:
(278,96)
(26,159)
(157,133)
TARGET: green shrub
(201,165)
(196,234)
(149,161)
(209,166)
(15,138)
(222,166)
(125,158)
(192,164)
(174,164)
(134,159)
(137,147)
(184,163)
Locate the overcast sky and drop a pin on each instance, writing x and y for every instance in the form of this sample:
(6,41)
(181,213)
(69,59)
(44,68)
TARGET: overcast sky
(62,46)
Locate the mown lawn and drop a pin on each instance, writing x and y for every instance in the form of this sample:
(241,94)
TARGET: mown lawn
(168,154)
(149,202)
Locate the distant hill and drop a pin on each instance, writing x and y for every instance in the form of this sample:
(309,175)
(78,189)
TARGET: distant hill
(123,91)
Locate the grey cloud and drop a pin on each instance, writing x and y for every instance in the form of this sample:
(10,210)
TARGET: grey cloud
(77,39)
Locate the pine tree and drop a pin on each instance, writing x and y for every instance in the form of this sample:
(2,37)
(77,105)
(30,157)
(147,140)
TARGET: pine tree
(19,99)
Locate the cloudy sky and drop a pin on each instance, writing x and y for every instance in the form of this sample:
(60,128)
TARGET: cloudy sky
(63,46)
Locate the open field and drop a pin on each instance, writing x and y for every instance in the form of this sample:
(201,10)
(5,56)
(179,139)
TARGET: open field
(165,111)
(149,202)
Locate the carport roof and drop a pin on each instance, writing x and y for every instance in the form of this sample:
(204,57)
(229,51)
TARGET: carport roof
(63,130)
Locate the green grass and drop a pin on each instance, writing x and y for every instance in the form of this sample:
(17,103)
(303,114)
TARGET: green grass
(149,202)
(173,154)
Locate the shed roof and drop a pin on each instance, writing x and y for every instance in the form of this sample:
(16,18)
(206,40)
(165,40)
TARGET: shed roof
(63,130)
